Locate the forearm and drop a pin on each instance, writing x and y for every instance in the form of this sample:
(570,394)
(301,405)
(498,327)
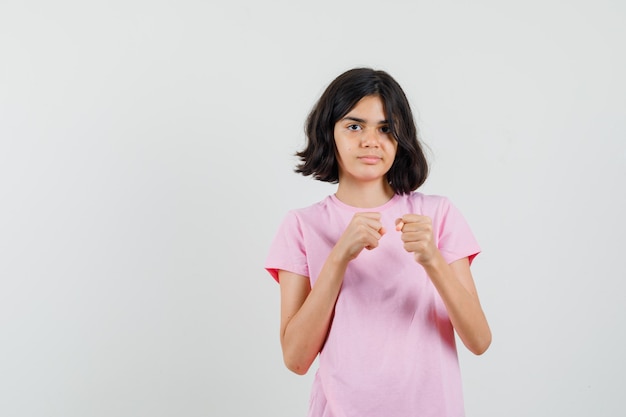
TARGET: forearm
(305,333)
(463,305)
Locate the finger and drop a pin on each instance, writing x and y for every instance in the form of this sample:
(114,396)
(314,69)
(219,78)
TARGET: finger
(371,219)
(377,231)
(414,236)
(417,227)
(415,218)
(370,231)
(399,225)
(372,240)
(375,225)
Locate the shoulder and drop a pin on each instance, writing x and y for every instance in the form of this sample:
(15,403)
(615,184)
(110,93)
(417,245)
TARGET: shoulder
(312,210)
(427,204)
(307,214)
(431,199)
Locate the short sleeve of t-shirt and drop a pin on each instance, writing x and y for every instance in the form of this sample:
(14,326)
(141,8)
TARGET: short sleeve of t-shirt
(455,237)
(287,251)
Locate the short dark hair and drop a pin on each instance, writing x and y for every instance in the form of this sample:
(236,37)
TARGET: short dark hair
(319,157)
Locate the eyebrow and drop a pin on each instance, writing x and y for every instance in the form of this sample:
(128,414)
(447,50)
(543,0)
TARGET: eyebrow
(356,119)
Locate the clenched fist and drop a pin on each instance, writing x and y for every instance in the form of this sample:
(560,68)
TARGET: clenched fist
(417,235)
(363,232)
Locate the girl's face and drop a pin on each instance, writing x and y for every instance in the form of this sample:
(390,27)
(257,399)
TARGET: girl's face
(366,148)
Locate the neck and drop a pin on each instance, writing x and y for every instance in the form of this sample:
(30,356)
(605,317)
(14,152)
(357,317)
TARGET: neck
(364,195)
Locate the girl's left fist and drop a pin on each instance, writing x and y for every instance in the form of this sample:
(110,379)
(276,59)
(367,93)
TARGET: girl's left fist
(417,235)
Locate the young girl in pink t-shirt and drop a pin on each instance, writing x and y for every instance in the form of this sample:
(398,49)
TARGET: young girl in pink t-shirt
(375,278)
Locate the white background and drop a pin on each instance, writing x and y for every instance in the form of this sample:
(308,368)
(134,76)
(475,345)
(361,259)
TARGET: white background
(146,157)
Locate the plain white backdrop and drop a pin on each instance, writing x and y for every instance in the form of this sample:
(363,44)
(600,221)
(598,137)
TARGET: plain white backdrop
(146,160)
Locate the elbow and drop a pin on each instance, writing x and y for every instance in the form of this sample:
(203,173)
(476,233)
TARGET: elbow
(298,357)
(481,345)
(479,350)
(295,360)
(298,367)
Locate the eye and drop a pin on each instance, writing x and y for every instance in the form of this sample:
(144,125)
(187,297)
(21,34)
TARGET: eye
(354,127)
(385,129)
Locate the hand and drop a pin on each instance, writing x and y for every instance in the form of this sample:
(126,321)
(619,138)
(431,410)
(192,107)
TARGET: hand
(363,231)
(417,235)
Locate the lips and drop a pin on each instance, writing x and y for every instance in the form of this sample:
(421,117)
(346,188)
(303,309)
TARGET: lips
(370,159)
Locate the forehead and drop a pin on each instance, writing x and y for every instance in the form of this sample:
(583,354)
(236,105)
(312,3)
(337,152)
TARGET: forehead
(369,105)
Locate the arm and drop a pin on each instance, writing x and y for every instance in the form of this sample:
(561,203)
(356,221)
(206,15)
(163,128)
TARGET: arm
(454,282)
(306,313)
(456,287)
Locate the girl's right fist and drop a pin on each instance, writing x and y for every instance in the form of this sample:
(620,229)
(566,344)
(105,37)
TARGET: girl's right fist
(363,231)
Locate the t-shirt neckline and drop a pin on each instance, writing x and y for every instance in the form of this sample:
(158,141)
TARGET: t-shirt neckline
(354,209)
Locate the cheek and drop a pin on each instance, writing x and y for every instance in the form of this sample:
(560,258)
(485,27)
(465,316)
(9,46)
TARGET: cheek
(344,147)
(393,147)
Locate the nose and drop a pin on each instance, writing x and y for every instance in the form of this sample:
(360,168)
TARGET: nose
(370,138)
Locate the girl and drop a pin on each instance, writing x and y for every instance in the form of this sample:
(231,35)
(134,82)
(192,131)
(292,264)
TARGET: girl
(375,278)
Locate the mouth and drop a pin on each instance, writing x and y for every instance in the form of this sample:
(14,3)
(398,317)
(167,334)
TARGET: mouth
(370,159)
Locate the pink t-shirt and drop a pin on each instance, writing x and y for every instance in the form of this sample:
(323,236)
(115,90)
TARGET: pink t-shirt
(391,348)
